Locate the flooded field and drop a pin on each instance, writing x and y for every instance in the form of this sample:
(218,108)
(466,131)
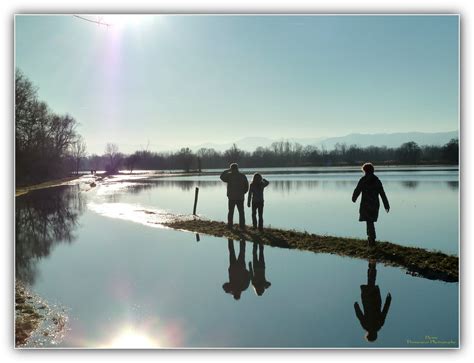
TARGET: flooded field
(125,281)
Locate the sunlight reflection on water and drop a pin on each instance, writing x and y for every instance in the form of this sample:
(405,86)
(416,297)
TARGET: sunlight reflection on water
(136,213)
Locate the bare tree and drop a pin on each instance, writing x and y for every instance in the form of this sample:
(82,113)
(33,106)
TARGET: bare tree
(78,151)
(185,158)
(42,138)
(112,153)
(233,154)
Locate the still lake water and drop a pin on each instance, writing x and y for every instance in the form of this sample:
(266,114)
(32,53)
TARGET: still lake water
(125,283)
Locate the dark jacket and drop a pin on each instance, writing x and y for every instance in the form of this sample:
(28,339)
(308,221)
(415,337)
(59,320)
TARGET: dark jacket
(237,184)
(256,191)
(373,317)
(239,278)
(371,187)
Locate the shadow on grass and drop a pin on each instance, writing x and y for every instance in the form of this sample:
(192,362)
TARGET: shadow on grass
(432,265)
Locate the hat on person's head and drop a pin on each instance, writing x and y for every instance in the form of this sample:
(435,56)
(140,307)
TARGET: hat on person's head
(234,166)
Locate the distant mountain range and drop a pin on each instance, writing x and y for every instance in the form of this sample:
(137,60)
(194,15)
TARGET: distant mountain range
(363,140)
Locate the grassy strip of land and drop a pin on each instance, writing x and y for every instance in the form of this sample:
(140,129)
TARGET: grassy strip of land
(417,261)
(52,183)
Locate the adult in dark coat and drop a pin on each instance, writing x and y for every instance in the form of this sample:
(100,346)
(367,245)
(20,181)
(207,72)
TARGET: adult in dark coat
(239,276)
(373,317)
(237,186)
(371,187)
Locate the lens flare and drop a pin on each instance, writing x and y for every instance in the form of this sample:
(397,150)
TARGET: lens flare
(129,337)
(123,20)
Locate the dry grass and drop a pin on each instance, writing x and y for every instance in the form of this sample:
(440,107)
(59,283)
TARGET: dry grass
(27,319)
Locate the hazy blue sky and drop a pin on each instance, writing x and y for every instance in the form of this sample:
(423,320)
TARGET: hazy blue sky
(185,80)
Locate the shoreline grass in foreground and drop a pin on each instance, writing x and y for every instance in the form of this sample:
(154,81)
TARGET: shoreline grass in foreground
(48,184)
(27,318)
(432,265)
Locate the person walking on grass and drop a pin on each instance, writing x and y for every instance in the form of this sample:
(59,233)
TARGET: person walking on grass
(256,197)
(237,186)
(371,187)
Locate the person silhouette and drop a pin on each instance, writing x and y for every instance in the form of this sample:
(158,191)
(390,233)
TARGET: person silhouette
(237,186)
(239,276)
(371,187)
(257,271)
(373,317)
(256,197)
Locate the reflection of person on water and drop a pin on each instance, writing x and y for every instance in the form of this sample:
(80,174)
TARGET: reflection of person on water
(257,271)
(239,276)
(373,317)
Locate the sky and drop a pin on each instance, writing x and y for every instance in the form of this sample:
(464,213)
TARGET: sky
(169,81)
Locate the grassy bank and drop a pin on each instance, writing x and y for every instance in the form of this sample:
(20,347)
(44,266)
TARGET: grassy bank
(27,319)
(52,183)
(417,261)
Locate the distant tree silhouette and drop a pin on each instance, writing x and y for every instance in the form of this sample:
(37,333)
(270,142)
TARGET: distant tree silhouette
(451,151)
(131,160)
(185,158)
(284,154)
(113,156)
(210,158)
(234,154)
(409,152)
(77,152)
(95,162)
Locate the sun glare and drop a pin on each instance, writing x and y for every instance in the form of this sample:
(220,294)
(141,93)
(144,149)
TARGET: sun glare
(131,338)
(122,20)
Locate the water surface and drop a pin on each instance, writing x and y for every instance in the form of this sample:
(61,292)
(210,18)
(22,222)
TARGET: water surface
(127,284)
(424,202)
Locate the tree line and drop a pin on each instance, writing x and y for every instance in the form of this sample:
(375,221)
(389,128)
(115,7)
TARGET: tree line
(279,154)
(47,145)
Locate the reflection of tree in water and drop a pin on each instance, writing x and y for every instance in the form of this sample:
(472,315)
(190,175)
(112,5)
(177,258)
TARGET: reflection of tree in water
(188,185)
(453,185)
(292,185)
(44,218)
(410,184)
(282,186)
(185,185)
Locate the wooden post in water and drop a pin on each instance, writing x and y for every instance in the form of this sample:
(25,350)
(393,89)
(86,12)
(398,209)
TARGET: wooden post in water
(196,193)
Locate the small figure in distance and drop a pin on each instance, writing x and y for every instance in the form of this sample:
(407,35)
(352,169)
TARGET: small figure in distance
(237,186)
(257,271)
(373,317)
(256,197)
(371,187)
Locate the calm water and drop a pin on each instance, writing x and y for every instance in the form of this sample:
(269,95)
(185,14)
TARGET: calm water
(125,283)
(424,203)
